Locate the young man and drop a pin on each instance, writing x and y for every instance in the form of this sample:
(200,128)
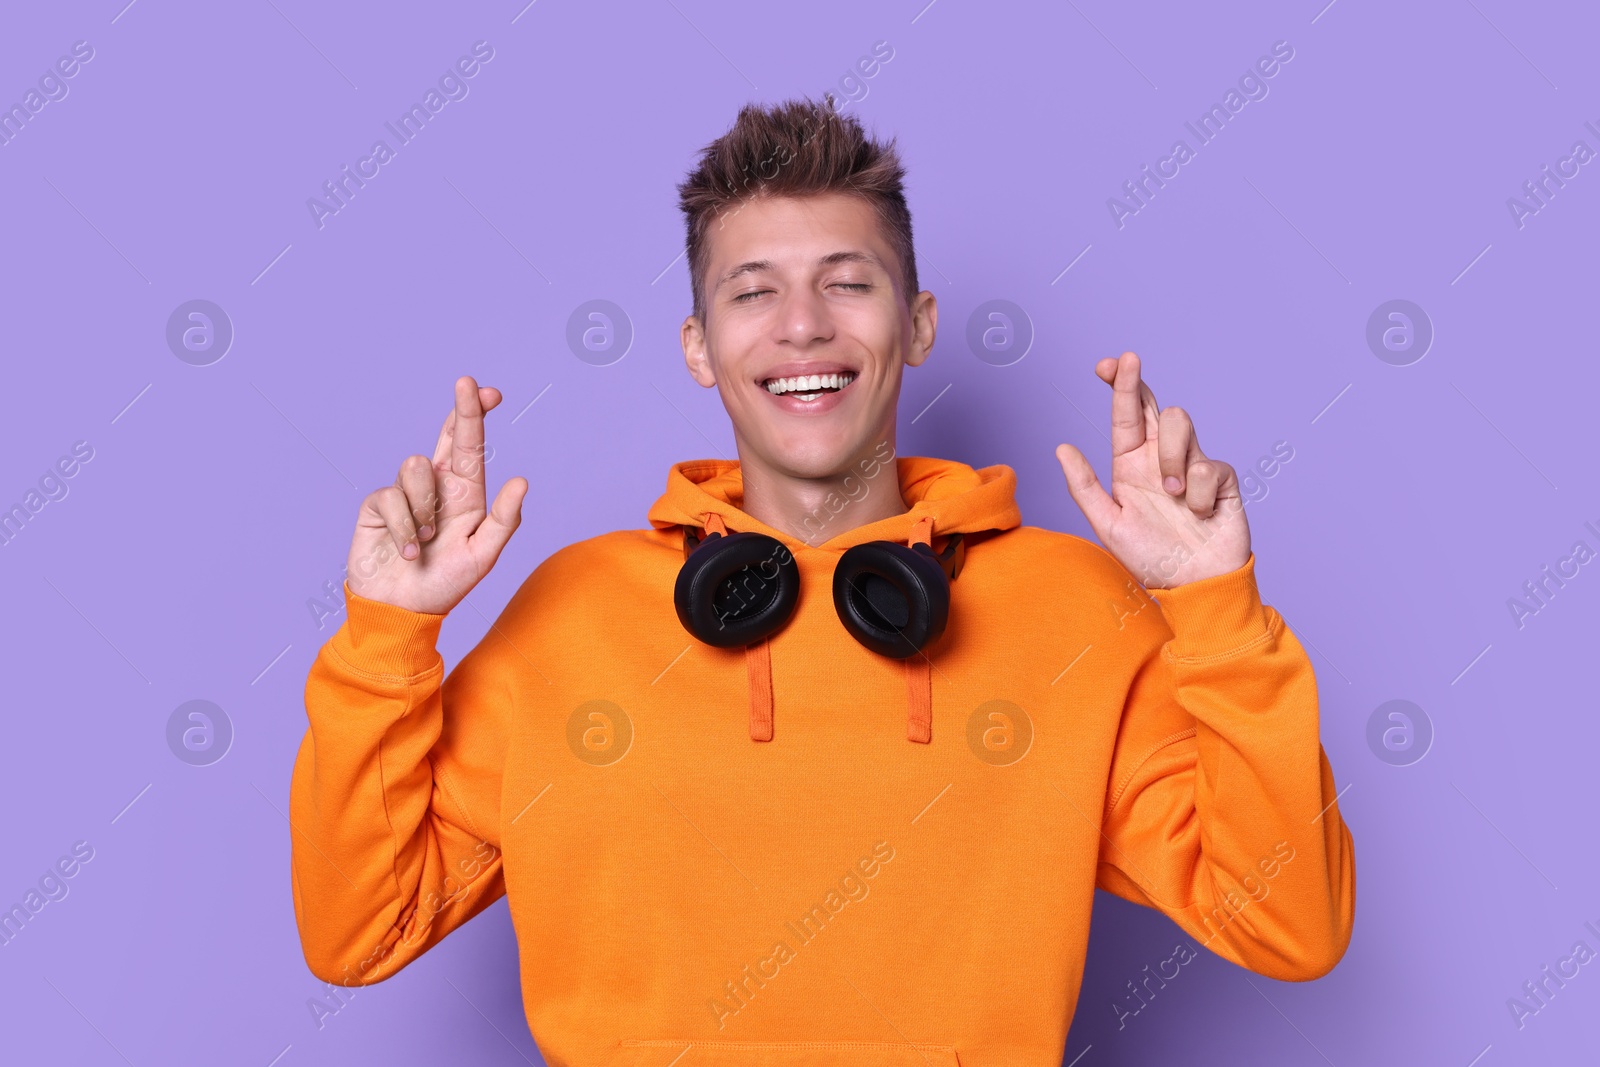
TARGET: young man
(825,764)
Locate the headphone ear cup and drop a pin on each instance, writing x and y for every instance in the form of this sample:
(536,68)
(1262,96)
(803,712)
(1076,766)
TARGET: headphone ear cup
(737,589)
(893,599)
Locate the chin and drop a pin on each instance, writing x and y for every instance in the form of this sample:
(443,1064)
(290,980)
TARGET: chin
(812,455)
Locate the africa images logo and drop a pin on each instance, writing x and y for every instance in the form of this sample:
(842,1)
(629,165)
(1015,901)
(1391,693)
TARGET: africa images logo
(1252,87)
(852,886)
(452,87)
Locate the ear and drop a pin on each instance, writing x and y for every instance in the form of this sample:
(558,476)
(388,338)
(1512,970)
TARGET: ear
(924,327)
(692,336)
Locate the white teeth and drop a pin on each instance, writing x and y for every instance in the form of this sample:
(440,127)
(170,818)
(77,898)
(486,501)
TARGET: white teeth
(808,385)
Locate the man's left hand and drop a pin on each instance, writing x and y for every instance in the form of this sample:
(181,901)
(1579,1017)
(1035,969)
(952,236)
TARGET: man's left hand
(1173,516)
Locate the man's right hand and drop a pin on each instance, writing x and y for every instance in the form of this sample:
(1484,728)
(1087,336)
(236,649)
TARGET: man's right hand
(425,541)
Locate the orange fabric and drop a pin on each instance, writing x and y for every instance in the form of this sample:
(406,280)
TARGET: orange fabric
(834,894)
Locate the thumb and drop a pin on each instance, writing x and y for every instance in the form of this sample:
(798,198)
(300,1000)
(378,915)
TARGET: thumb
(505,515)
(1095,503)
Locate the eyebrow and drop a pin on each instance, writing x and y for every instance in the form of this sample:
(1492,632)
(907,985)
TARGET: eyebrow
(757,265)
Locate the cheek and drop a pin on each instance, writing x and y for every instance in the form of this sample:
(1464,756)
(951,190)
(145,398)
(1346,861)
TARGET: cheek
(729,354)
(880,335)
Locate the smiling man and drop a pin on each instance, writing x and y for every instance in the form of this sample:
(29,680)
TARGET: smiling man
(819,658)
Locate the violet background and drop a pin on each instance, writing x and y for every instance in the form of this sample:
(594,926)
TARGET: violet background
(178,567)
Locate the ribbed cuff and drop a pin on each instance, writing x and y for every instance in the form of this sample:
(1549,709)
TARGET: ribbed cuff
(1215,615)
(387,640)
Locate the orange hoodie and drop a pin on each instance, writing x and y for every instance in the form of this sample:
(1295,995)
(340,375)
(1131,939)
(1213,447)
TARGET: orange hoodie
(836,894)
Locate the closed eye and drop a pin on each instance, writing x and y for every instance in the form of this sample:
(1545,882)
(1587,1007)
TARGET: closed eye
(857,286)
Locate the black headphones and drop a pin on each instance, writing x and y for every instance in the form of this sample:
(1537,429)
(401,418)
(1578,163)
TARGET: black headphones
(739,588)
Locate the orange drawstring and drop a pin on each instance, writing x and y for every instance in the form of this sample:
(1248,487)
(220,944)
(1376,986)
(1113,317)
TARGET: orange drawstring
(919,699)
(757,661)
(758,665)
(919,669)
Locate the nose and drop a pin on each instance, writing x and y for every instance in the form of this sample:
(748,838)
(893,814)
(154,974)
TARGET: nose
(804,318)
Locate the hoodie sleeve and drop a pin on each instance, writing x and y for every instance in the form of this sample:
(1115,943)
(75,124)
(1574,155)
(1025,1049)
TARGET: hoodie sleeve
(1220,810)
(394,801)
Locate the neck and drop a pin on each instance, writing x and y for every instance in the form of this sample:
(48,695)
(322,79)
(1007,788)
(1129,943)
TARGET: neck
(815,510)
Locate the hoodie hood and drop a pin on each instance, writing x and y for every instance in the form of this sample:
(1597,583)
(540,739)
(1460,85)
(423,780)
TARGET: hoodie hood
(943,496)
(954,496)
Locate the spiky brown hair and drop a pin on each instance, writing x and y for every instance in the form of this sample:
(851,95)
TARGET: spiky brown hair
(795,148)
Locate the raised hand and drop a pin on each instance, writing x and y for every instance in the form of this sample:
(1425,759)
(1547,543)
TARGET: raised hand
(1173,515)
(425,541)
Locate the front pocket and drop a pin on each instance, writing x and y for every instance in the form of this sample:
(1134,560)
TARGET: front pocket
(686,1053)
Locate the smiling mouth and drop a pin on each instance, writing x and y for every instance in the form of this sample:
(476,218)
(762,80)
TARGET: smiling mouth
(808,386)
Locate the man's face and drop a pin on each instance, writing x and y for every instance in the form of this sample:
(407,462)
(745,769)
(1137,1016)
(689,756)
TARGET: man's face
(797,287)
